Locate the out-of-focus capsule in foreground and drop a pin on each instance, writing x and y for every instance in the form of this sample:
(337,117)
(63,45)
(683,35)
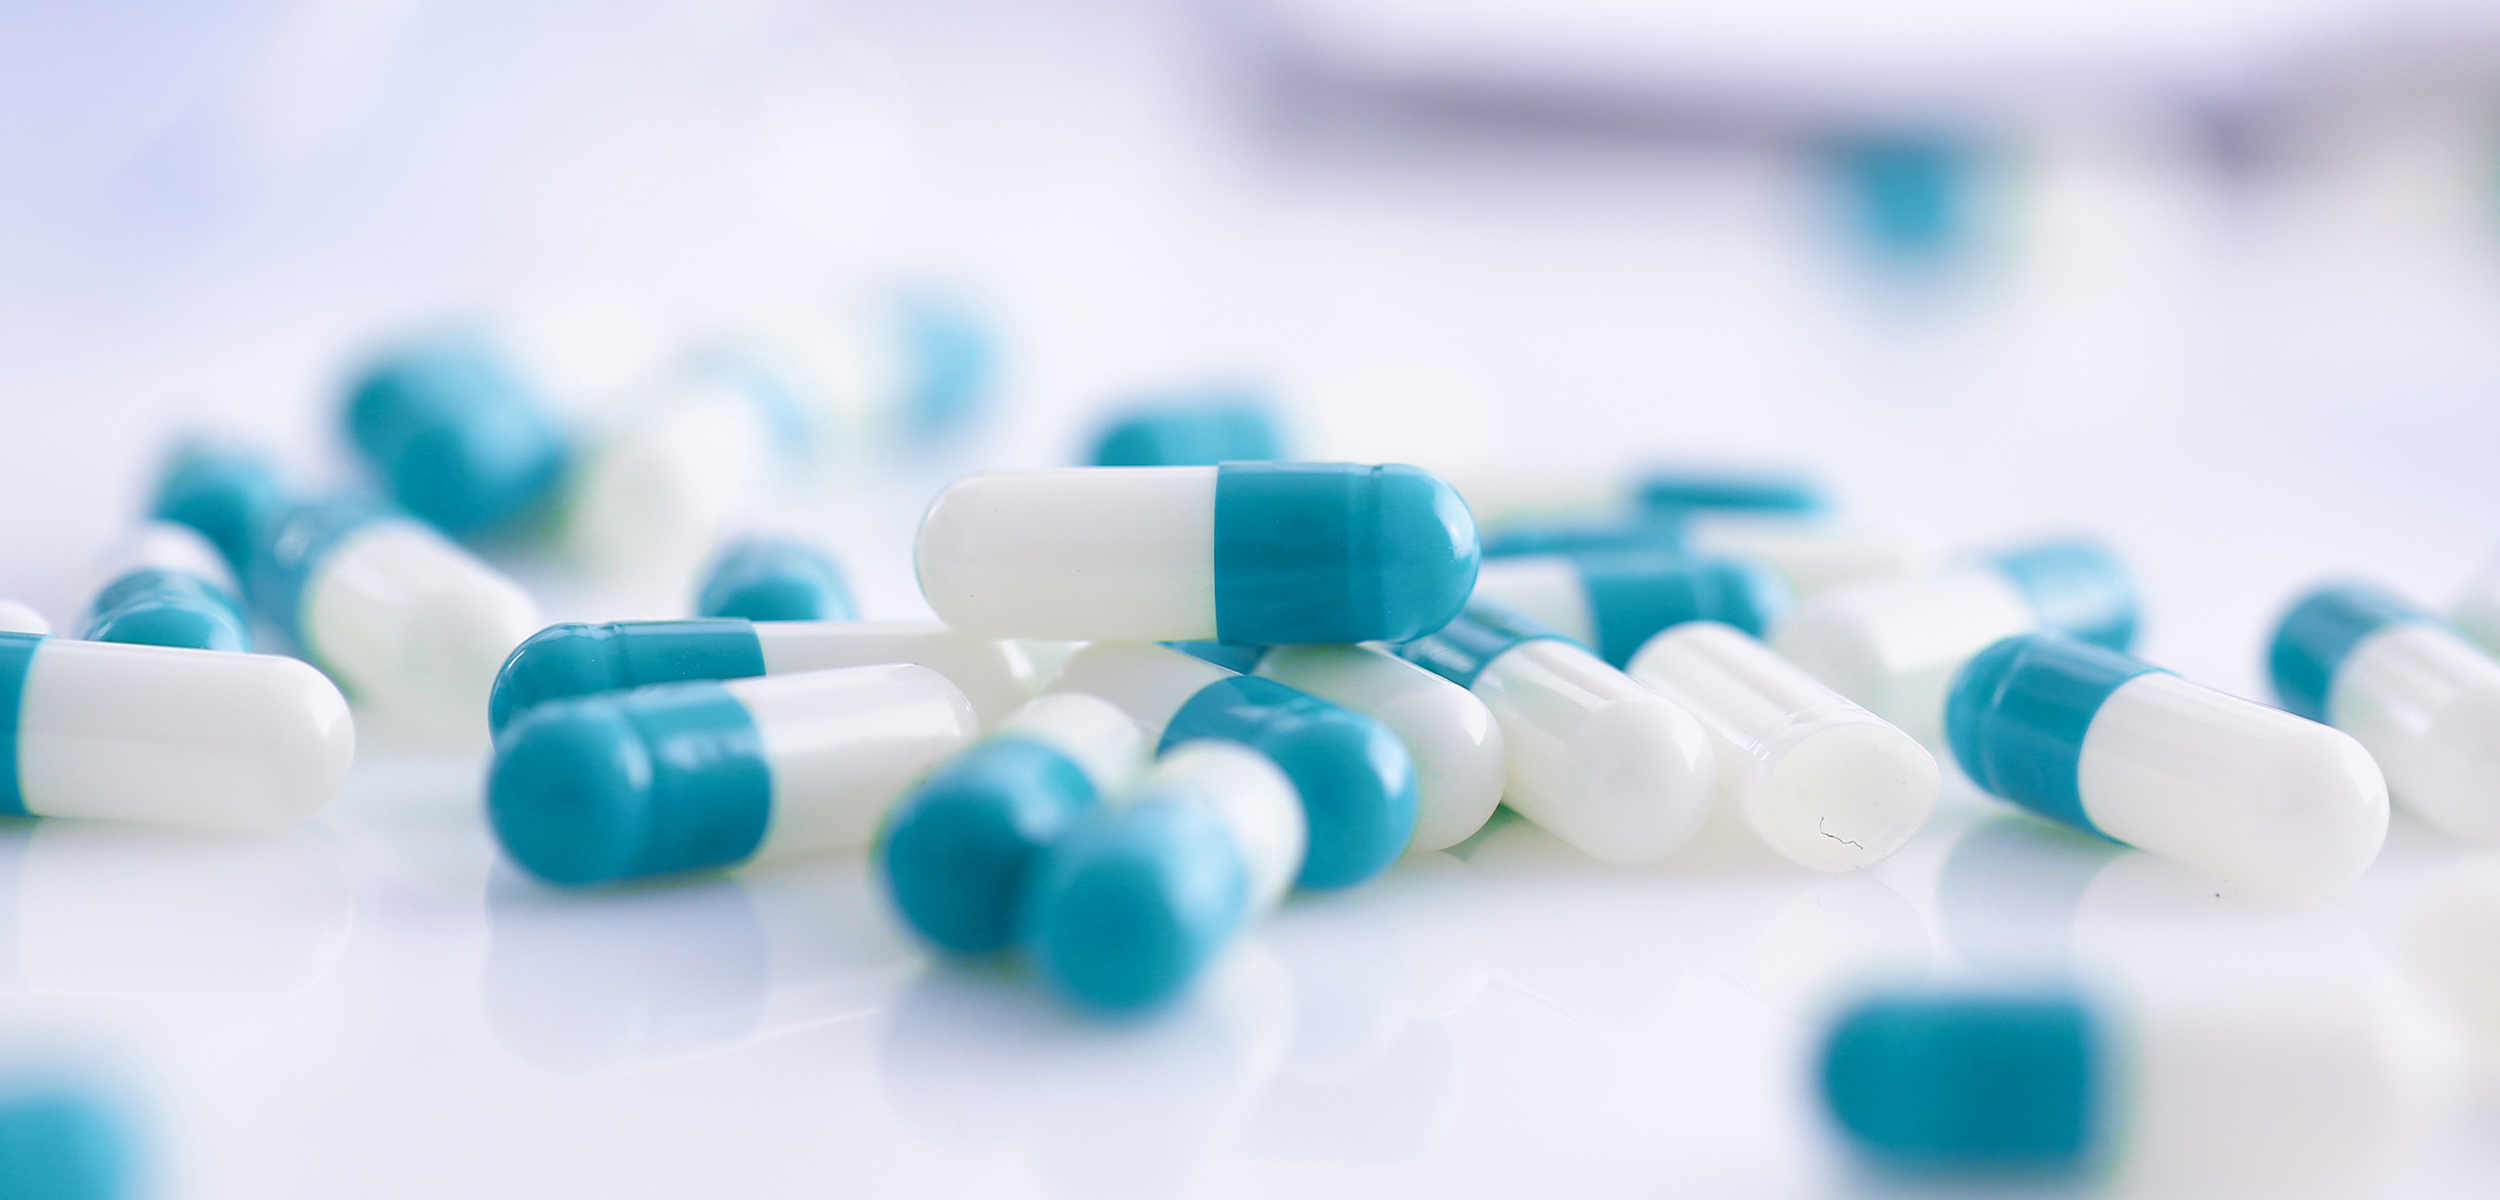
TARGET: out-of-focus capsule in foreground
(682,776)
(1460,760)
(1614,602)
(410,624)
(2421,699)
(1260,553)
(1894,645)
(774,579)
(122,732)
(1949,1084)
(1601,762)
(578,660)
(956,852)
(1825,782)
(2101,741)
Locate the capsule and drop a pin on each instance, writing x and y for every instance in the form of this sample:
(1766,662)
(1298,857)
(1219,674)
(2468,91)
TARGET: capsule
(1355,779)
(1200,431)
(407,622)
(229,493)
(682,776)
(956,853)
(1260,553)
(169,587)
(1613,602)
(1824,782)
(1136,899)
(1519,537)
(118,732)
(2111,744)
(1690,489)
(18,618)
(2421,699)
(454,435)
(1942,1083)
(652,488)
(774,579)
(577,660)
(1894,645)
(1601,762)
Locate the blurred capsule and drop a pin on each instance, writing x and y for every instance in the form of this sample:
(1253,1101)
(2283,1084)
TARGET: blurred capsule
(1218,427)
(229,493)
(1460,760)
(774,579)
(169,586)
(653,486)
(454,435)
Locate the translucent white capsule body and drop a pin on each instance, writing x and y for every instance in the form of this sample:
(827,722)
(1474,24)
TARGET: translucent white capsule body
(1461,763)
(1823,781)
(1148,542)
(997,676)
(119,732)
(2426,704)
(2251,793)
(414,626)
(1893,645)
(1603,763)
(654,492)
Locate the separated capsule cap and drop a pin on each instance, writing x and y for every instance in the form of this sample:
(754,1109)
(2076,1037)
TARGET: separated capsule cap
(2077,588)
(579,660)
(156,606)
(1338,552)
(2018,713)
(1633,595)
(1684,489)
(2322,628)
(1134,901)
(958,851)
(229,493)
(657,780)
(454,434)
(1963,1083)
(1217,428)
(1356,780)
(774,579)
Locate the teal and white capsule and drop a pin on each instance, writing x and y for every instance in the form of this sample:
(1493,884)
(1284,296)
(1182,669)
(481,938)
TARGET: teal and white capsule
(1355,778)
(455,435)
(684,776)
(2085,735)
(957,851)
(228,492)
(578,660)
(121,732)
(410,625)
(1136,900)
(774,579)
(1613,602)
(1893,645)
(1257,553)
(2420,698)
(169,586)
(1601,762)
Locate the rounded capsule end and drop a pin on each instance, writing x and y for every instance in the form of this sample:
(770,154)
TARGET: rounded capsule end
(958,851)
(1967,1083)
(1132,904)
(457,438)
(1428,552)
(561,660)
(1356,779)
(570,793)
(774,579)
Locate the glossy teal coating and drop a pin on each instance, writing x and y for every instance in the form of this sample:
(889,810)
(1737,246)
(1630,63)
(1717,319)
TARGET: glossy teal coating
(579,660)
(229,493)
(454,434)
(2077,588)
(2018,713)
(59,1141)
(1681,490)
(625,785)
(1662,531)
(958,851)
(155,606)
(1134,901)
(1193,432)
(1355,777)
(1338,552)
(296,549)
(775,579)
(17,655)
(1462,649)
(1955,1084)
(1635,595)
(2321,629)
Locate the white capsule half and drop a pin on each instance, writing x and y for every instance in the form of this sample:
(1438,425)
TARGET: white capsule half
(654,492)
(1461,765)
(414,626)
(1148,681)
(998,677)
(1893,645)
(1824,782)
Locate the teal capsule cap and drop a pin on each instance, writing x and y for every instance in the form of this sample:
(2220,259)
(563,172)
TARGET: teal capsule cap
(1133,902)
(2077,588)
(1356,780)
(1959,1084)
(2018,713)
(1679,490)
(1338,552)
(155,606)
(1635,595)
(957,852)
(579,660)
(2319,632)
(1199,431)
(775,579)
(229,493)
(455,435)
(626,785)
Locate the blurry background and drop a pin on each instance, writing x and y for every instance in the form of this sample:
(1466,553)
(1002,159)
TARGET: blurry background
(2216,280)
